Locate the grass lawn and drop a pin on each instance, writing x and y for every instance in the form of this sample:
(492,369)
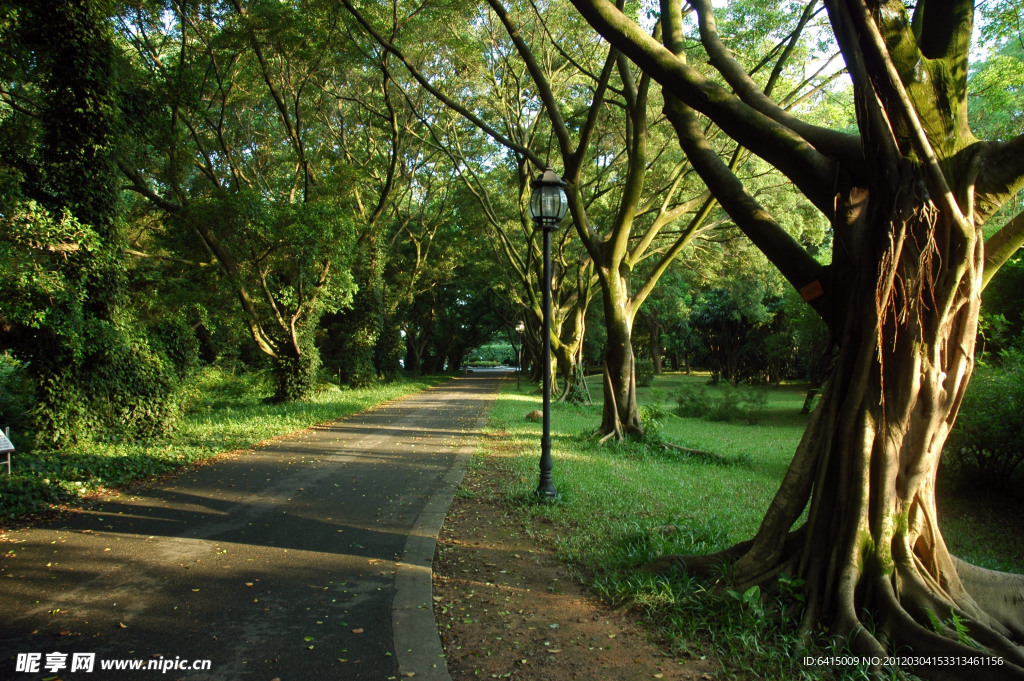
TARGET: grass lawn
(221,411)
(622,504)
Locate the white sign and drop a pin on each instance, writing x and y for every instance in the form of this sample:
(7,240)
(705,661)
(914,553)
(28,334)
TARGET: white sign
(5,444)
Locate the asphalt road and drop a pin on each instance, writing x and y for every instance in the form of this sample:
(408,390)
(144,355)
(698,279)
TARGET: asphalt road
(306,559)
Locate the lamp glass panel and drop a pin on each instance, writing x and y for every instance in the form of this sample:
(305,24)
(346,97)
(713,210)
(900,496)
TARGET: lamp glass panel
(548,202)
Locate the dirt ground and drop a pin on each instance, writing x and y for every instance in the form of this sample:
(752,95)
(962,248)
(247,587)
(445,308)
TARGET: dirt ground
(507,608)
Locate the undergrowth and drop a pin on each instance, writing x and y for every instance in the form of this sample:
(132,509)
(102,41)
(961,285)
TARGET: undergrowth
(621,505)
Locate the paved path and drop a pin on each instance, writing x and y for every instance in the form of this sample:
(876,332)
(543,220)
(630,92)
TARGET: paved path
(307,559)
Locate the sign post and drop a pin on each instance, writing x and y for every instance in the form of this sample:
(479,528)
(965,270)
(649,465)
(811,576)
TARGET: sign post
(6,447)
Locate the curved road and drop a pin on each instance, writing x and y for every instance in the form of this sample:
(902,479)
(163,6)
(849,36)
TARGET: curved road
(306,559)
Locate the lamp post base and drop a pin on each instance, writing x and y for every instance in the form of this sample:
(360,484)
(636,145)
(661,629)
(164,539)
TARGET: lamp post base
(546,494)
(546,488)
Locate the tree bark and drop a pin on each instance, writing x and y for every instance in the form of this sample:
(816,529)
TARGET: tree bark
(871,545)
(621,413)
(654,329)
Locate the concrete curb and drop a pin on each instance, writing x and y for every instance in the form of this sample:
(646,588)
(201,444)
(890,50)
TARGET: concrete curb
(418,650)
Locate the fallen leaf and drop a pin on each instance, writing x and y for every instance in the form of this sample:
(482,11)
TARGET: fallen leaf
(357,631)
(122,625)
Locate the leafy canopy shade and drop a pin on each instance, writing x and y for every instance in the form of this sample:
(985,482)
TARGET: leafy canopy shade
(548,201)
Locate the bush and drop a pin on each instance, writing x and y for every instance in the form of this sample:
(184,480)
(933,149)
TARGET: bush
(16,394)
(644,373)
(121,389)
(495,353)
(732,404)
(177,342)
(987,442)
(692,402)
(652,418)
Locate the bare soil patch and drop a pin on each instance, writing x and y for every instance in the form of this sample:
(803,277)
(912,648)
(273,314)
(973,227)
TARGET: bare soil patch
(506,607)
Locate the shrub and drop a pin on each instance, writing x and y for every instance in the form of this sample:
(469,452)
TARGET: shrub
(16,393)
(987,442)
(692,402)
(129,387)
(732,404)
(644,373)
(177,342)
(652,418)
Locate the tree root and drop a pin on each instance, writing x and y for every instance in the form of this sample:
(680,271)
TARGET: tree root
(696,452)
(903,629)
(708,565)
(913,616)
(999,594)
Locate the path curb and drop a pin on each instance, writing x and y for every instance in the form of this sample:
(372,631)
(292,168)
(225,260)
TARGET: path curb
(418,650)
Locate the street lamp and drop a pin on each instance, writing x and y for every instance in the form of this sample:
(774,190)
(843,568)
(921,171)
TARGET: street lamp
(548,204)
(520,328)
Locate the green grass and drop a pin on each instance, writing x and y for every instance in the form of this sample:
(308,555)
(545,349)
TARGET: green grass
(623,504)
(221,411)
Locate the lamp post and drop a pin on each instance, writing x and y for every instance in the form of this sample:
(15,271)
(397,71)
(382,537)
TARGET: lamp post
(520,328)
(548,205)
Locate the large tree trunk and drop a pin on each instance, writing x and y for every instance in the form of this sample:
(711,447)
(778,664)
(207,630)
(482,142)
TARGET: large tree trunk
(874,549)
(907,198)
(295,371)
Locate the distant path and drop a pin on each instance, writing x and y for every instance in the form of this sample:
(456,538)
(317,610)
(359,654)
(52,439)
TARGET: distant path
(307,559)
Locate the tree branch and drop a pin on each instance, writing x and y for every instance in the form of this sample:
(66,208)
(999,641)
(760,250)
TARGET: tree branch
(448,101)
(806,163)
(844,147)
(1001,176)
(799,268)
(1001,246)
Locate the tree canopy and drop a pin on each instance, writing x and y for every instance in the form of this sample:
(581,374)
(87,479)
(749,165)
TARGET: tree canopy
(343,185)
